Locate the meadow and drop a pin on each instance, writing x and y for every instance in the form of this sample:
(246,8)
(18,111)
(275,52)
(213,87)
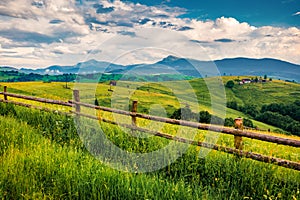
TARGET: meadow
(43,157)
(193,92)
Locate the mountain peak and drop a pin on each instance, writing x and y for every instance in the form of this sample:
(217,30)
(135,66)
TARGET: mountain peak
(170,58)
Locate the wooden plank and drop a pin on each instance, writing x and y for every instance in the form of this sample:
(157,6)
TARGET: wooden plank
(4,93)
(238,140)
(215,128)
(134,110)
(42,100)
(235,132)
(76,97)
(34,107)
(262,158)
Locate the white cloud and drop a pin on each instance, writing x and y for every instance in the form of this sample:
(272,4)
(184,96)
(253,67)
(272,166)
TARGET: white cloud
(28,38)
(297,13)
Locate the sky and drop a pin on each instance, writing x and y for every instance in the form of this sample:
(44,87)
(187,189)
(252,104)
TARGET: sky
(40,33)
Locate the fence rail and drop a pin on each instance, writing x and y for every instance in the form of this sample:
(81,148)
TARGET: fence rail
(42,100)
(254,156)
(237,133)
(231,131)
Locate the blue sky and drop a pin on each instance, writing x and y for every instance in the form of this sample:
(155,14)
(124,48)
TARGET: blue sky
(255,12)
(39,33)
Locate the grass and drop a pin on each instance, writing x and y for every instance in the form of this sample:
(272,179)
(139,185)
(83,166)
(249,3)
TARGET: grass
(263,93)
(42,157)
(168,95)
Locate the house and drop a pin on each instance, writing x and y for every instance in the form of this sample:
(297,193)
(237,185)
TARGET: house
(245,81)
(113,83)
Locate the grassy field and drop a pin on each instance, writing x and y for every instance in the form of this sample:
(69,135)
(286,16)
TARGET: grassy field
(166,95)
(259,94)
(42,157)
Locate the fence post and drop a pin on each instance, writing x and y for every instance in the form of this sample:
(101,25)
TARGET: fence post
(5,90)
(134,110)
(77,99)
(238,140)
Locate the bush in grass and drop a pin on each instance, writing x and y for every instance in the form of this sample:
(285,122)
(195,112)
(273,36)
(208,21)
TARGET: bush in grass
(248,123)
(230,84)
(229,122)
(183,113)
(250,109)
(232,104)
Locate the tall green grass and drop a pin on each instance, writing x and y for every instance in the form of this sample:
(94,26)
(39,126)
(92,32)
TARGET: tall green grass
(41,157)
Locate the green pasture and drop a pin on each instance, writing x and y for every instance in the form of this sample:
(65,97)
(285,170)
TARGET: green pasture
(42,157)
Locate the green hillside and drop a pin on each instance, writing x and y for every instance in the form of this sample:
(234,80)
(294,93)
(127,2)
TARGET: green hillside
(166,94)
(42,157)
(259,94)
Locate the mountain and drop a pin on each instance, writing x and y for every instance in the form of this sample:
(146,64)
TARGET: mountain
(234,66)
(91,66)
(231,66)
(190,67)
(260,67)
(169,65)
(7,68)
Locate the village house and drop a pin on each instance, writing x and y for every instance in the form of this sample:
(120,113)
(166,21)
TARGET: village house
(245,81)
(113,83)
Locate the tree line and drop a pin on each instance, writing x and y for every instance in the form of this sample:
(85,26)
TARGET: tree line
(16,76)
(207,118)
(284,116)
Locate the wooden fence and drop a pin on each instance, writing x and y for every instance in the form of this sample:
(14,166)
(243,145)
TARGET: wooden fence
(237,132)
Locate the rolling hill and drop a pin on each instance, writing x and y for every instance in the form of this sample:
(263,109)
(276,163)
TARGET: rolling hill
(173,65)
(151,93)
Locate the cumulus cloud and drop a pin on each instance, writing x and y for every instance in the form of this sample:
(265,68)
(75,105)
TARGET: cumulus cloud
(25,36)
(66,32)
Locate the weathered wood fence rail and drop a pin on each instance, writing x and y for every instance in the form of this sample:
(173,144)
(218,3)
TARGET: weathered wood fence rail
(237,133)
(42,100)
(231,131)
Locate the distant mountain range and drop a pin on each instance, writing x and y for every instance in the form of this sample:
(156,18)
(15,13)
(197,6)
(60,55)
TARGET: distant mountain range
(174,65)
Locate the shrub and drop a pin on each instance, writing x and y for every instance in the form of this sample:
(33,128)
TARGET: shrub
(232,104)
(183,113)
(229,122)
(248,123)
(204,117)
(230,84)
(250,109)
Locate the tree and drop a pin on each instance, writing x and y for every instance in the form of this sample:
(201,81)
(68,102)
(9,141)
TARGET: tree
(230,84)
(232,104)
(204,117)
(183,113)
(68,78)
(297,102)
(248,123)
(250,109)
(229,122)
(265,77)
